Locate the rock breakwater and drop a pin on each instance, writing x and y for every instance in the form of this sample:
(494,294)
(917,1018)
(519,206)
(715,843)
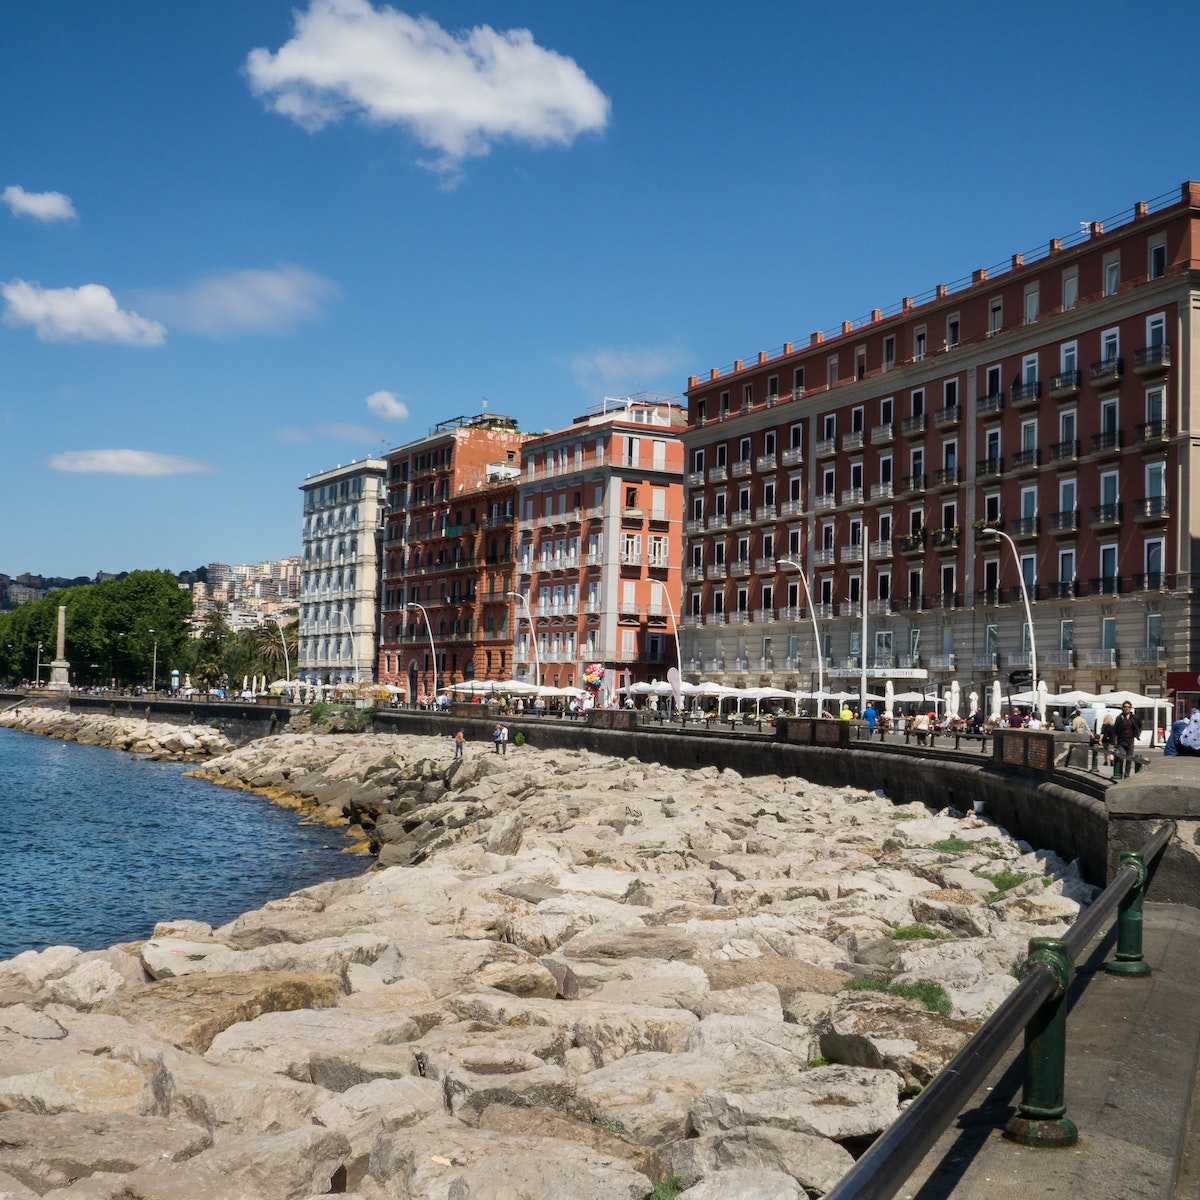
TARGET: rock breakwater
(147,739)
(567,975)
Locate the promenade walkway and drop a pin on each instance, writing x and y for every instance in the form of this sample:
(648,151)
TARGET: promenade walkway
(1133,1046)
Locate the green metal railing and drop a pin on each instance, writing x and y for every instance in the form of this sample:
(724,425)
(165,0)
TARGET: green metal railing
(1038,1005)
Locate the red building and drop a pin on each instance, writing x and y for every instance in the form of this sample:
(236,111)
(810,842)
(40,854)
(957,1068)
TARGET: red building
(448,555)
(1051,400)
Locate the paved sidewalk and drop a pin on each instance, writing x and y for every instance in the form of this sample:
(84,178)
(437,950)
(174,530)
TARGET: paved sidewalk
(1133,1046)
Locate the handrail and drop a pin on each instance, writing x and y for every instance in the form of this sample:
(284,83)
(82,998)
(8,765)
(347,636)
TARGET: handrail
(894,1155)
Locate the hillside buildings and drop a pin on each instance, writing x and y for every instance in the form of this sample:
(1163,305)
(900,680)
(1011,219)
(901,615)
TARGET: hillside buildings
(1029,426)
(339,573)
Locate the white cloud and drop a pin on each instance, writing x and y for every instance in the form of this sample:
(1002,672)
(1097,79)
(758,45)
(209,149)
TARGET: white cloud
(248,301)
(84,314)
(41,206)
(627,370)
(456,93)
(126,462)
(343,431)
(289,433)
(387,405)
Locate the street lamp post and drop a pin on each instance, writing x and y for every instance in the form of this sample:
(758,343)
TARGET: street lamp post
(37,673)
(812,612)
(990,531)
(432,647)
(287,663)
(154,667)
(862,657)
(537,666)
(675,626)
(350,629)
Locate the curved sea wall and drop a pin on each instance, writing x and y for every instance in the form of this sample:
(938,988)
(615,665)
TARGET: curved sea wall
(581,974)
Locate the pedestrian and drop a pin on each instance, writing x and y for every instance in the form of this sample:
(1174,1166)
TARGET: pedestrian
(496,739)
(1127,728)
(1056,721)
(1108,738)
(847,713)
(539,706)
(459,738)
(870,716)
(503,739)
(920,724)
(1078,723)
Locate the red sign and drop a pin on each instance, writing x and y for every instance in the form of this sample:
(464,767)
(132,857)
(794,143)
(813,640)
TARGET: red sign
(1183,681)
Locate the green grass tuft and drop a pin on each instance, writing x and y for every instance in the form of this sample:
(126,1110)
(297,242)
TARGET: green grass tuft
(930,995)
(912,933)
(667,1189)
(1002,881)
(952,846)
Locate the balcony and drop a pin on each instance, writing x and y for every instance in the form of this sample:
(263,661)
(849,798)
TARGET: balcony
(989,468)
(1062,589)
(717,474)
(850,608)
(714,618)
(1059,659)
(1105,585)
(993,402)
(1105,443)
(907,604)
(912,483)
(911,543)
(1025,460)
(691,620)
(1150,433)
(909,662)
(741,468)
(740,617)
(1063,522)
(946,416)
(739,568)
(714,571)
(794,613)
(1064,385)
(1019,660)
(913,426)
(852,440)
(852,495)
(881,549)
(882,491)
(1151,508)
(824,558)
(879,608)
(1104,516)
(825,503)
(846,662)
(1151,581)
(882,434)
(763,665)
(826,447)
(763,616)
(987,597)
(741,516)
(943,600)
(852,553)
(793,456)
(792,508)
(1104,659)
(631,558)
(693,574)
(717,521)
(823,611)
(694,479)
(946,477)
(766,512)
(944,539)
(1106,373)
(1064,452)
(765,462)
(1026,395)
(694,526)
(764,564)
(983,662)
(1024,527)
(1147,656)
(1152,359)
(941,662)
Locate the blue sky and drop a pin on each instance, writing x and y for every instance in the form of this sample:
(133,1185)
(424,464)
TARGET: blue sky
(241,243)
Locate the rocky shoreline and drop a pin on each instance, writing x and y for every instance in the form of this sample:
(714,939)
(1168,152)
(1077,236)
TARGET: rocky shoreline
(564,975)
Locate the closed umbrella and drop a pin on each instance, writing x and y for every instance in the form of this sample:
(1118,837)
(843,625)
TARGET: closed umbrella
(995,713)
(889,697)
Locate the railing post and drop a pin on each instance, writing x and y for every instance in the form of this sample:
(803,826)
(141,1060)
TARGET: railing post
(1129,960)
(1095,760)
(1041,1119)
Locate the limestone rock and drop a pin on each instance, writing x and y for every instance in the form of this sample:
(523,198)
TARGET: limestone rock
(814,1162)
(742,1184)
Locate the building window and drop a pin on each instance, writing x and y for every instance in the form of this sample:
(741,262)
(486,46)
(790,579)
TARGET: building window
(991,507)
(1029,368)
(1112,272)
(994,386)
(798,381)
(886,407)
(1158,258)
(950,393)
(889,352)
(1068,357)
(995,315)
(1031,303)
(860,362)
(772,388)
(1110,345)
(857,419)
(1108,633)
(1070,288)
(918,402)
(1156,330)
(829,426)
(1155,404)
(796,433)
(919,343)
(953,331)
(831,371)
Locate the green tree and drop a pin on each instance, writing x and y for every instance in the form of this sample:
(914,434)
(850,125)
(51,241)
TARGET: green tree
(210,669)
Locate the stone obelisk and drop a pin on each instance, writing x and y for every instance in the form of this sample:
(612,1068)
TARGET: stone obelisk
(60,668)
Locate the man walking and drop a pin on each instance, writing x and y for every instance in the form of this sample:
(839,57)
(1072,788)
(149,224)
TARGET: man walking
(459,738)
(504,739)
(1128,728)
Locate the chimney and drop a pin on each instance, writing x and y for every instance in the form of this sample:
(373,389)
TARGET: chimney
(979,276)
(1055,246)
(1018,260)
(876,314)
(942,291)
(816,339)
(1097,229)
(762,356)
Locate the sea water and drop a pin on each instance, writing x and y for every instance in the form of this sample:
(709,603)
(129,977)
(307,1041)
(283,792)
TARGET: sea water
(96,846)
